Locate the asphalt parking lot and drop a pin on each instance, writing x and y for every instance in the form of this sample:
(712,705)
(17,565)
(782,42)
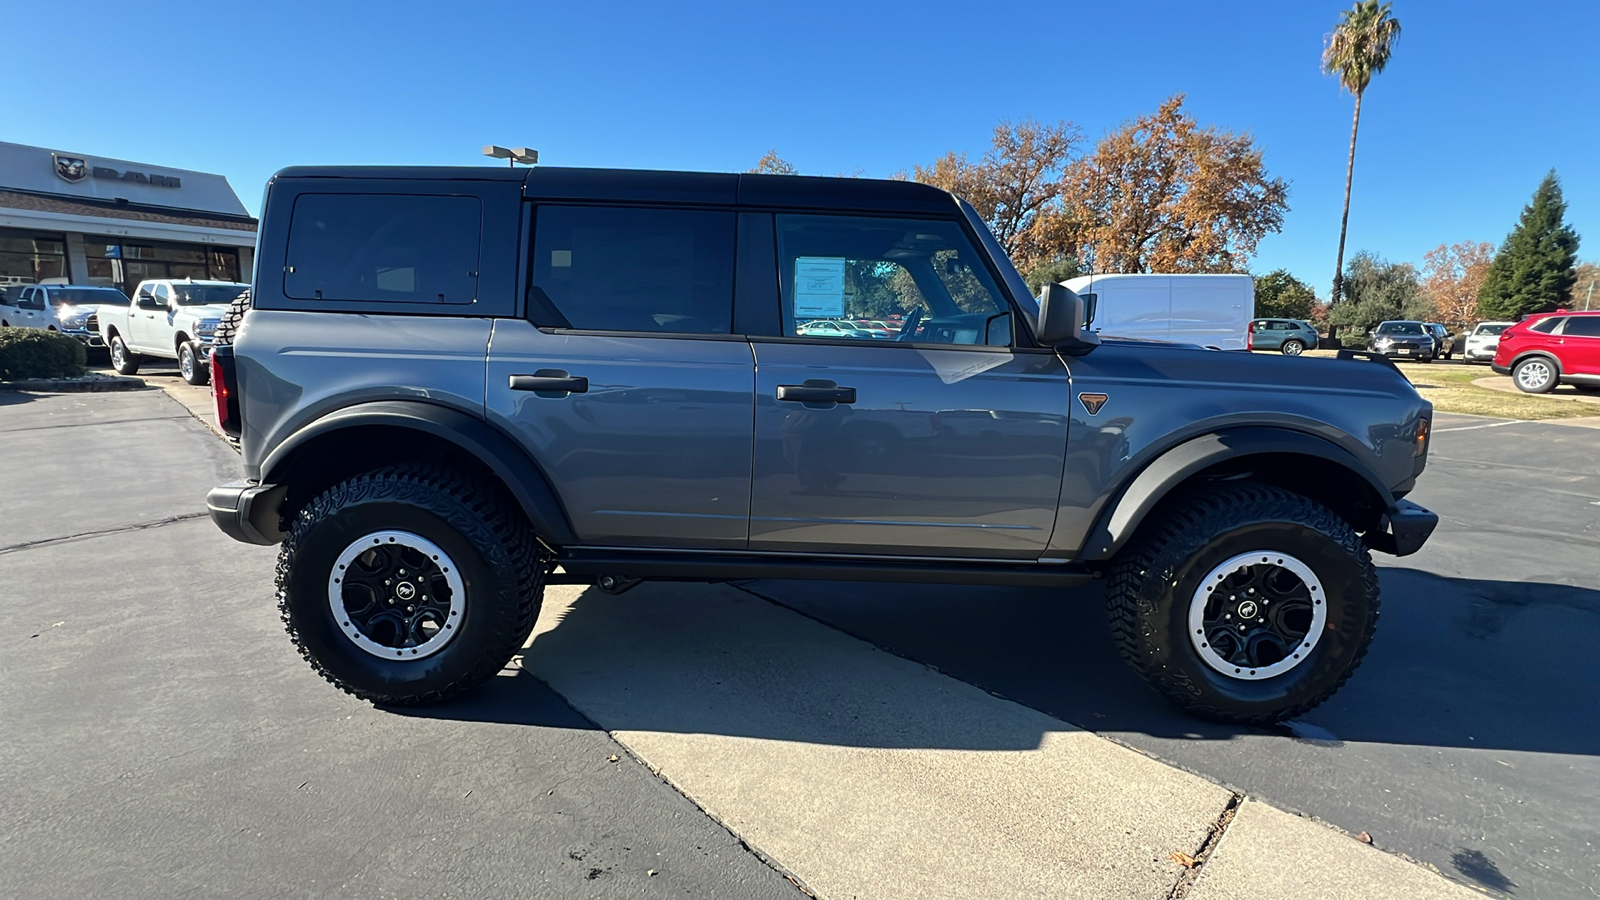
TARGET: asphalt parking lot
(160,737)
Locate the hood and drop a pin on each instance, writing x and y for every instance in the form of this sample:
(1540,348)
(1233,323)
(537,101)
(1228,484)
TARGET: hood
(203,311)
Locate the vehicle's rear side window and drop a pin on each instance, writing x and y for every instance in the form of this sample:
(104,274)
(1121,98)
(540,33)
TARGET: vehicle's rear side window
(1546,326)
(1582,326)
(405,248)
(627,269)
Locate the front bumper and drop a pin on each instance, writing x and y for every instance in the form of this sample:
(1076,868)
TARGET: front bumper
(88,338)
(1403,530)
(1405,353)
(248,512)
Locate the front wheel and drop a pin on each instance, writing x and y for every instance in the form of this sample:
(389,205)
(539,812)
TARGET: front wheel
(1293,347)
(190,367)
(1245,603)
(409,585)
(123,360)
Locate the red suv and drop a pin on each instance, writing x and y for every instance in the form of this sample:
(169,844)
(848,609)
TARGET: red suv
(1548,349)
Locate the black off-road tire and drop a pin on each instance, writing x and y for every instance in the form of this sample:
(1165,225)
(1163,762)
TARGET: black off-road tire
(1152,580)
(493,547)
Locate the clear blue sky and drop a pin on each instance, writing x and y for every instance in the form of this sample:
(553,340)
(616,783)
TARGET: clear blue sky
(1480,100)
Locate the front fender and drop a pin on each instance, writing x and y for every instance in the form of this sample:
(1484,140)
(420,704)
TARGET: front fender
(1122,517)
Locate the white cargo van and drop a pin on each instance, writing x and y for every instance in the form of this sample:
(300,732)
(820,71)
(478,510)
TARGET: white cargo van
(1209,310)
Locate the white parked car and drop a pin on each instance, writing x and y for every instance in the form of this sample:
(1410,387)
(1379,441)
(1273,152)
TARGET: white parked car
(71,309)
(1209,310)
(169,319)
(1483,341)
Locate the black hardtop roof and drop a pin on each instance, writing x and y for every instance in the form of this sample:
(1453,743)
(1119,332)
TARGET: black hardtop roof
(651,186)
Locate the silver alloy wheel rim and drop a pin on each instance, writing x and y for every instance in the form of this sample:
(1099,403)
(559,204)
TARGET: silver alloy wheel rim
(117,357)
(186,363)
(1533,374)
(1293,348)
(1202,635)
(429,566)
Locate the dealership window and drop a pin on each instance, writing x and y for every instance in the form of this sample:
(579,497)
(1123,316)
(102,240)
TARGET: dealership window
(124,263)
(386,248)
(643,270)
(28,257)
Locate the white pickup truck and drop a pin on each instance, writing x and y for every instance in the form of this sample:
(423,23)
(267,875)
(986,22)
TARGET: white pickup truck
(170,319)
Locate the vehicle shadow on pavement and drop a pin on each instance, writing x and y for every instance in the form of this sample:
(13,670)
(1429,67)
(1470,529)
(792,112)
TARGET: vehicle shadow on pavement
(1457,662)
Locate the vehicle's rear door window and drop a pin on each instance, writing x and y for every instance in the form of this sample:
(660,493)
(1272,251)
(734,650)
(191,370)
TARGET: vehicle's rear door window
(634,270)
(407,248)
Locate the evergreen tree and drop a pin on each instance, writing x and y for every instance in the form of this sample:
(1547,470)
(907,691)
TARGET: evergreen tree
(1533,272)
(1280,295)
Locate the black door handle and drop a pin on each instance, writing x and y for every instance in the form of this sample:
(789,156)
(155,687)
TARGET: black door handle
(816,392)
(550,383)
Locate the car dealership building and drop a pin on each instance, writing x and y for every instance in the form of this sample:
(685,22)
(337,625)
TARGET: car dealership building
(71,218)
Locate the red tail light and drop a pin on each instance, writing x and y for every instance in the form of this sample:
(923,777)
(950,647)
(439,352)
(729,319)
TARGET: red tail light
(223,390)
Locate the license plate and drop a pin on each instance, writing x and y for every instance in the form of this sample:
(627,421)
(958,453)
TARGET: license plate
(1406,350)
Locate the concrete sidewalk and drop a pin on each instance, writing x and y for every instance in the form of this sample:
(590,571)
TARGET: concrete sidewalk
(866,775)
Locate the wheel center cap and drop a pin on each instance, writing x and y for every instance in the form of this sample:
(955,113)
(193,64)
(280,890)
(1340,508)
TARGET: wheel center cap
(405,590)
(1247,609)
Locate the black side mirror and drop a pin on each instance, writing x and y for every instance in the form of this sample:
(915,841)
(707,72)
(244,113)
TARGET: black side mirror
(1064,319)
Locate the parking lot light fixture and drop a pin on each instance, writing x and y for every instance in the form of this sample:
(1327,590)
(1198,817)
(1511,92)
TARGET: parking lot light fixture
(512,155)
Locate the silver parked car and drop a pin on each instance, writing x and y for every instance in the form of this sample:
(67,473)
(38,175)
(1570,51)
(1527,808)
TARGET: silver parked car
(452,381)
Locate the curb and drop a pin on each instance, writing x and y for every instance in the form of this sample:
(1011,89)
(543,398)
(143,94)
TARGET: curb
(74,385)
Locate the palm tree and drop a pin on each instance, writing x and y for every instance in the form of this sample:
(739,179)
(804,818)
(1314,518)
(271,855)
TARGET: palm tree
(1357,50)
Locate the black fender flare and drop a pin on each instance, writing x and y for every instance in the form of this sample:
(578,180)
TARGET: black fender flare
(1122,517)
(498,452)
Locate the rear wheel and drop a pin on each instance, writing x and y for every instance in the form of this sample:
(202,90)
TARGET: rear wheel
(409,585)
(123,360)
(1244,604)
(1535,375)
(1293,347)
(189,365)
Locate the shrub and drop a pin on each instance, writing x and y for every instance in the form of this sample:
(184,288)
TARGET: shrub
(32,353)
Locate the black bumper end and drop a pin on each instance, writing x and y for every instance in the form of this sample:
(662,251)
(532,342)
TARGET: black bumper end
(248,512)
(1500,370)
(1404,530)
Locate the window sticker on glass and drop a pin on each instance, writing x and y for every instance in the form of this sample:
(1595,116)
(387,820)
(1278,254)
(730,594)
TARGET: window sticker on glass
(818,286)
(560,259)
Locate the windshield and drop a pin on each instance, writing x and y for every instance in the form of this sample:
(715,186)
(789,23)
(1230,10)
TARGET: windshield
(73,296)
(199,294)
(1399,328)
(1491,329)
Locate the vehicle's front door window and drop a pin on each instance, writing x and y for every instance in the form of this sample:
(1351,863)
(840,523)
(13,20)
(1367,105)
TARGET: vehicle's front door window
(839,275)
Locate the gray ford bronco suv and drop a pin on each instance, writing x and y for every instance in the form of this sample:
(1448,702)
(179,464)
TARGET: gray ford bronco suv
(456,386)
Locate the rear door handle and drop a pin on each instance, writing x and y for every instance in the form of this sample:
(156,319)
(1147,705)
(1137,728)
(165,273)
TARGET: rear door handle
(816,391)
(550,383)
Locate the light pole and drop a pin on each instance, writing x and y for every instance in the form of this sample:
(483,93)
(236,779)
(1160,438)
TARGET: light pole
(525,155)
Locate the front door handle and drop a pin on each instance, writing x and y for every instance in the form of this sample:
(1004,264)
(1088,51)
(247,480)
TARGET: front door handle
(816,391)
(550,383)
